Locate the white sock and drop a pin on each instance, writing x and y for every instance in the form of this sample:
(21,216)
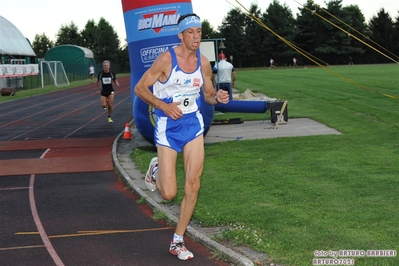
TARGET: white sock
(177,238)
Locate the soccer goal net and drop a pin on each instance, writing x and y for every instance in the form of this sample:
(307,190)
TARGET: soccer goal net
(53,73)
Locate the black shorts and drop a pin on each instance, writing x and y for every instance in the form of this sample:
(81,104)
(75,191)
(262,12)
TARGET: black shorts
(106,93)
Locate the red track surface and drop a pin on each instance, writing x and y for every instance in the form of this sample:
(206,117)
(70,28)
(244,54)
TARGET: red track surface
(63,156)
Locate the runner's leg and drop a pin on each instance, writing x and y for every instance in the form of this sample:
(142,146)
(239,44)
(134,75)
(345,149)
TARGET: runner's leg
(166,181)
(110,103)
(104,102)
(193,155)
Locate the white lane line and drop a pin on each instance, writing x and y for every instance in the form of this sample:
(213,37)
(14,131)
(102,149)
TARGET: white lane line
(13,188)
(39,225)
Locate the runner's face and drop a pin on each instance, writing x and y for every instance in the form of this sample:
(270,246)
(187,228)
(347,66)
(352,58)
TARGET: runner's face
(106,67)
(192,37)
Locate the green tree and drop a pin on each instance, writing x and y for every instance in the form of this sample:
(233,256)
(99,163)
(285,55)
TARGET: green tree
(41,44)
(255,38)
(279,18)
(336,43)
(88,35)
(396,37)
(68,34)
(307,29)
(380,30)
(207,30)
(123,59)
(106,42)
(357,27)
(233,30)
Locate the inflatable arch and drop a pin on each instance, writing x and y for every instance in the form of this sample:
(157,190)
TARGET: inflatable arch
(151,29)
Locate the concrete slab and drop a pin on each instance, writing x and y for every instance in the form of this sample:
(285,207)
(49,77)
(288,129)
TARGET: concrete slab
(265,129)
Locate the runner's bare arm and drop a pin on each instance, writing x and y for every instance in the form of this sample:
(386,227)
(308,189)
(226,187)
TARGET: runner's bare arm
(158,70)
(149,78)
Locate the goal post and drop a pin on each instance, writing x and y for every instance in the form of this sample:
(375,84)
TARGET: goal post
(53,73)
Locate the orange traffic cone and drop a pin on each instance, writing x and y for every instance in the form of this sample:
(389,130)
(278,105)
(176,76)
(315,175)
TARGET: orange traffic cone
(127,134)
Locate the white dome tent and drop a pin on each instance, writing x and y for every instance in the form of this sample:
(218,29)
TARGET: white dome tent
(12,42)
(16,56)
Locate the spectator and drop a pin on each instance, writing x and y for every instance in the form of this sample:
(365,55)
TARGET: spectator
(224,75)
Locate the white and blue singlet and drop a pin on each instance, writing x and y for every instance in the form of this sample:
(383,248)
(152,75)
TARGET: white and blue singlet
(185,88)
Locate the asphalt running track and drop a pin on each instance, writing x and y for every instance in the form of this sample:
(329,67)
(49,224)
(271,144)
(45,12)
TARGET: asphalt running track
(61,203)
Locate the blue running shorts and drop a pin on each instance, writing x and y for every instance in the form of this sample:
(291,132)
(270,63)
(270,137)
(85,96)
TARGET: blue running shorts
(176,134)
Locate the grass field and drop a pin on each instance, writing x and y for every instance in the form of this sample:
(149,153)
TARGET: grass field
(290,197)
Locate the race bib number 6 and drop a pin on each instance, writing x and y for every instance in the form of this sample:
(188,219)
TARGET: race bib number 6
(188,103)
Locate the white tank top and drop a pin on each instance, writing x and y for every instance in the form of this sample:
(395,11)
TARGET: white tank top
(181,87)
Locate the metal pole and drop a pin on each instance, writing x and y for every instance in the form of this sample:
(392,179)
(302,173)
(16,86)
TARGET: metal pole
(41,74)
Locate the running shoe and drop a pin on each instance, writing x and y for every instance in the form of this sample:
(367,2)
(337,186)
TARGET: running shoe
(150,175)
(110,120)
(180,250)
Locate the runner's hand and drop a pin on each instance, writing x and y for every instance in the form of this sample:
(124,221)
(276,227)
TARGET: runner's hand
(222,96)
(173,111)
